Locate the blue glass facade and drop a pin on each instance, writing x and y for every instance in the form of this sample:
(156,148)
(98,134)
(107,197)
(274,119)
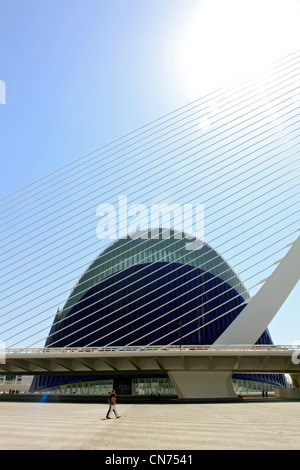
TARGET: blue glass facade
(151,297)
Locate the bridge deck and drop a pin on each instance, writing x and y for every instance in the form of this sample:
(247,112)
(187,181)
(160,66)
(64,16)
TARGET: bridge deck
(153,359)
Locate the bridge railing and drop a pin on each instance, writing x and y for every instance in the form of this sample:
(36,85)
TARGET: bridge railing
(165,348)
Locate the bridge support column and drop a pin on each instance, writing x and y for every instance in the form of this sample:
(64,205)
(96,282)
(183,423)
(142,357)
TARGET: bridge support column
(193,384)
(292,393)
(295,380)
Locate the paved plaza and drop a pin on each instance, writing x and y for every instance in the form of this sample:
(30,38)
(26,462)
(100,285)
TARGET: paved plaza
(246,425)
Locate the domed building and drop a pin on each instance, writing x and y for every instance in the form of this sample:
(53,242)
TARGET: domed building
(146,291)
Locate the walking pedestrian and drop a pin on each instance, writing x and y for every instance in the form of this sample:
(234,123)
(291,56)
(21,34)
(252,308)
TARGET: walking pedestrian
(112,405)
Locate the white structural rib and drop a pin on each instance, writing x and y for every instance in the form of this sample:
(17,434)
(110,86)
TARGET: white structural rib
(256,316)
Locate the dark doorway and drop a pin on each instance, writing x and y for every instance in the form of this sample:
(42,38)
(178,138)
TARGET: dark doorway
(123,385)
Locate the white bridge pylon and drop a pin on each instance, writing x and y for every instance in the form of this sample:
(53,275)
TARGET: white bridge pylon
(244,330)
(262,308)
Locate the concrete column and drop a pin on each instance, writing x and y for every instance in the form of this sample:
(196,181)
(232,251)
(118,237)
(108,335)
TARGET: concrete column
(290,393)
(193,384)
(295,380)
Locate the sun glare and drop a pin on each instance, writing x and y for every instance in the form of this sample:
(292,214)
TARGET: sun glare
(226,40)
(204,123)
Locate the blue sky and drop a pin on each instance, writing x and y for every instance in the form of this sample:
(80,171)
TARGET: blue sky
(81,73)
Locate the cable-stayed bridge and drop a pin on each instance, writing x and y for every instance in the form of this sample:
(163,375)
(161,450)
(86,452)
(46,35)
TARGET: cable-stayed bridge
(222,174)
